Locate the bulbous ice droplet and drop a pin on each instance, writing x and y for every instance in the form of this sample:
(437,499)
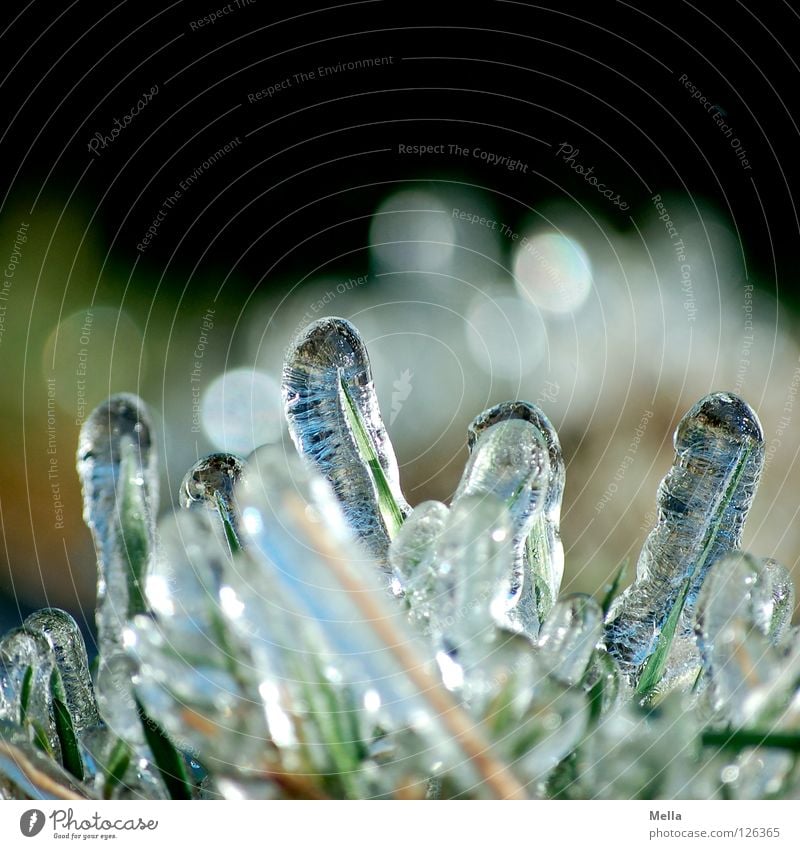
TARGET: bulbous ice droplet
(545,551)
(783,598)
(734,614)
(569,635)
(510,461)
(69,651)
(117,468)
(210,483)
(702,506)
(335,422)
(412,556)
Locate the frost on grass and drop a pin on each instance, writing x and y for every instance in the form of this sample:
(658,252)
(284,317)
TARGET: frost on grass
(296,630)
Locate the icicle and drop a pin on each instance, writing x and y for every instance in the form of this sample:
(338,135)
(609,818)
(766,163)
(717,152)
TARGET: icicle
(335,422)
(702,506)
(69,651)
(545,551)
(117,468)
(510,461)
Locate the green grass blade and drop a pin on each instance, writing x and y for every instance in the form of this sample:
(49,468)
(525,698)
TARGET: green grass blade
(25,694)
(538,555)
(133,527)
(168,759)
(389,510)
(230,534)
(751,738)
(70,748)
(117,766)
(612,589)
(656,663)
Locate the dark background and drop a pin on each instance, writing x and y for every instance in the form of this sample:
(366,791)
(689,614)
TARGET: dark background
(316,158)
(604,77)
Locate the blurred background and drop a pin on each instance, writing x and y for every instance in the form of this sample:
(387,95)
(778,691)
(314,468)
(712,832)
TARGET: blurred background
(588,208)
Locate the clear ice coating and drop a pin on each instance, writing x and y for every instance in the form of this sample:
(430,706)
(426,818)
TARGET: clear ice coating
(734,616)
(545,551)
(509,461)
(188,658)
(474,561)
(313,605)
(335,422)
(62,634)
(26,667)
(535,720)
(702,506)
(783,598)
(569,636)
(412,556)
(210,483)
(117,469)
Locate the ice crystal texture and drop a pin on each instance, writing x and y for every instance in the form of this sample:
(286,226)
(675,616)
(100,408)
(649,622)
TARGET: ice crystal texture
(250,647)
(116,444)
(702,506)
(335,422)
(509,461)
(545,551)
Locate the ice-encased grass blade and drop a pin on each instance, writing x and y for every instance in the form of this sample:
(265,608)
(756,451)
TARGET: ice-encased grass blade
(544,549)
(69,652)
(702,506)
(510,461)
(26,667)
(116,466)
(611,590)
(603,683)
(210,483)
(321,596)
(191,662)
(118,765)
(65,729)
(71,691)
(335,422)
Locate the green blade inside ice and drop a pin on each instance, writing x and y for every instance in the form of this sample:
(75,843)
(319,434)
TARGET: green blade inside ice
(389,509)
(133,527)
